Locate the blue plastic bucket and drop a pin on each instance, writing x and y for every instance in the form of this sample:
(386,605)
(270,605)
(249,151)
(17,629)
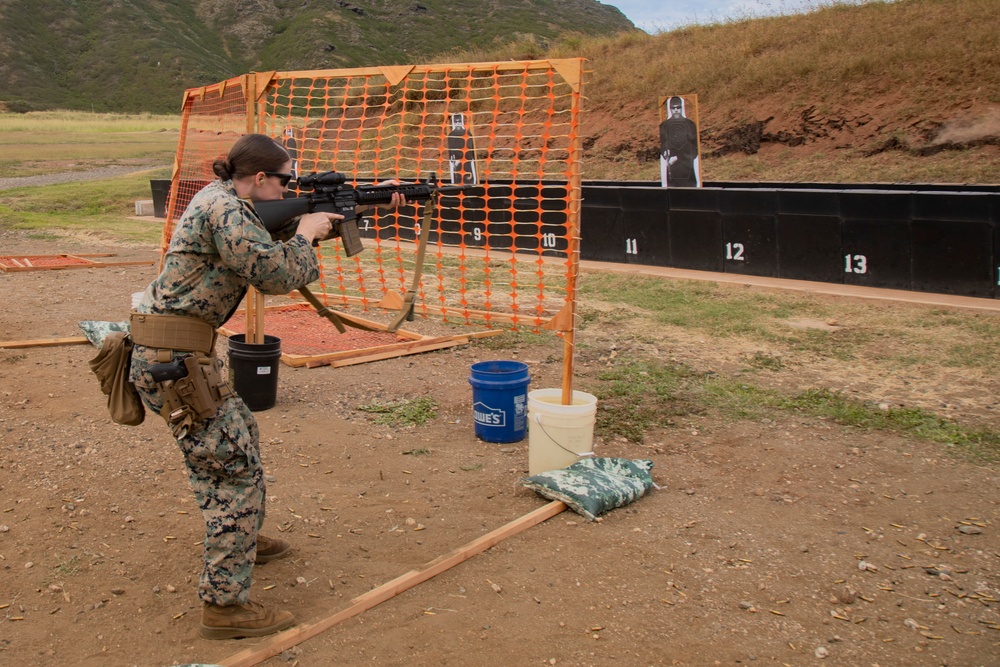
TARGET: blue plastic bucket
(500,400)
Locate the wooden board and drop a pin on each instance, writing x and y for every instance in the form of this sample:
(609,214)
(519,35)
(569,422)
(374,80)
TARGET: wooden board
(45,342)
(296,635)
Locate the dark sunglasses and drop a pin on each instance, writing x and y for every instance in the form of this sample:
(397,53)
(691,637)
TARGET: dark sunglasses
(282,178)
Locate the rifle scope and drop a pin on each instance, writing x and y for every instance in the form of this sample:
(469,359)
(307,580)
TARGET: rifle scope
(327,178)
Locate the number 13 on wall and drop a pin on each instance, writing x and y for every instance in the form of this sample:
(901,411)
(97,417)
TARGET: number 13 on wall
(855,264)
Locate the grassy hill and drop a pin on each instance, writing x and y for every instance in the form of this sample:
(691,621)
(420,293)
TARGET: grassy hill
(140,55)
(904,91)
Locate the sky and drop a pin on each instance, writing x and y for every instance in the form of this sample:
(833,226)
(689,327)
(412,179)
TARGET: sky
(655,15)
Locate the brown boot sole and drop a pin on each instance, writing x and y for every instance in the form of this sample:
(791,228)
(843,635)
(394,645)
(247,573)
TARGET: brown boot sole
(269,557)
(211,632)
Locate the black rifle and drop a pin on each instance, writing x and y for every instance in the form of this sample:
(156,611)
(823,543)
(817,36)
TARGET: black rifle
(327,192)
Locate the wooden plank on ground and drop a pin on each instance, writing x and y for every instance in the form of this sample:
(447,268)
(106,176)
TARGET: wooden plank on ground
(45,342)
(61,255)
(382,351)
(14,269)
(418,347)
(289,638)
(101,265)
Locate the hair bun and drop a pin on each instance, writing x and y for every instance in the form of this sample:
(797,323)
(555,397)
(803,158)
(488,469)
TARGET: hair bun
(223,168)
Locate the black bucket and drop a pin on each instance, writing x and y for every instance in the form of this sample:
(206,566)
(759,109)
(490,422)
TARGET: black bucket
(161,195)
(253,370)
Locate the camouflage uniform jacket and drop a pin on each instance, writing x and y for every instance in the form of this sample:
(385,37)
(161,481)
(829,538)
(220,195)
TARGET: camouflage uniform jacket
(217,249)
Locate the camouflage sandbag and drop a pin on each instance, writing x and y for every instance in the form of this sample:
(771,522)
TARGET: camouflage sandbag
(97,331)
(593,486)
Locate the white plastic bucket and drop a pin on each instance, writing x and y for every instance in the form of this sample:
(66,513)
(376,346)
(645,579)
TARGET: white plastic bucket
(559,435)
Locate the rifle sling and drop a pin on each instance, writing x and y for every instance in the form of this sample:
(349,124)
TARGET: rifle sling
(411,294)
(330,314)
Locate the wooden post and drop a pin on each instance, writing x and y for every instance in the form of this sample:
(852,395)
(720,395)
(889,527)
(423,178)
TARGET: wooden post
(249,301)
(258,312)
(285,640)
(254,299)
(573,227)
(254,309)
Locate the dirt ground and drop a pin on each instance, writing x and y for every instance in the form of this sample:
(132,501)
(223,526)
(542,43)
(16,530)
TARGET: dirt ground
(774,542)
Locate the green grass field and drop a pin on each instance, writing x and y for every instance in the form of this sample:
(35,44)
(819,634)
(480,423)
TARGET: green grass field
(46,142)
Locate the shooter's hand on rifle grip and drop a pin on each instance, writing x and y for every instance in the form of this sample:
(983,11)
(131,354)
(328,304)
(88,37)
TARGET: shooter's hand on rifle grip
(316,226)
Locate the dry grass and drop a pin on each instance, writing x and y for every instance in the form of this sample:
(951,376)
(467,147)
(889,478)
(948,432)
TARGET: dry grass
(976,165)
(940,52)
(920,69)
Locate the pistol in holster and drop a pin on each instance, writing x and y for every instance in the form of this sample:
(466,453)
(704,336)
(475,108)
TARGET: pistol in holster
(192,389)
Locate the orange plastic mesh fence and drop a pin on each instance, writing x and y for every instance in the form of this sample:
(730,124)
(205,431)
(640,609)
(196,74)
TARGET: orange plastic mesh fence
(504,252)
(213,118)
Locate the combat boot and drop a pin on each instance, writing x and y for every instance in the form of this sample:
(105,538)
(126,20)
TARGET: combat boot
(242,620)
(270,548)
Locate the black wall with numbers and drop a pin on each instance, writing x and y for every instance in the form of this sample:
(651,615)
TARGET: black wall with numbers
(926,238)
(498,215)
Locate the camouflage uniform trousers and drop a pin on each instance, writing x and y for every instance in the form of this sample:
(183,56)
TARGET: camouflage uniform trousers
(224,467)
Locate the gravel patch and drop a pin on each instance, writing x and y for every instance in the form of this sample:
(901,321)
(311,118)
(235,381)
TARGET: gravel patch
(74,176)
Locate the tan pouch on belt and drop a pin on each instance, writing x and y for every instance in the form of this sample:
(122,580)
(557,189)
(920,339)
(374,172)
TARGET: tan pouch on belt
(111,366)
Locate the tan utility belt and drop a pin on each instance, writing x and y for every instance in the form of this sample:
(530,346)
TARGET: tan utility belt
(172,332)
(191,386)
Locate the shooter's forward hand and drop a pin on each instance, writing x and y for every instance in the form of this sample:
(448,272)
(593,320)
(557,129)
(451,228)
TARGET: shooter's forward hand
(398,198)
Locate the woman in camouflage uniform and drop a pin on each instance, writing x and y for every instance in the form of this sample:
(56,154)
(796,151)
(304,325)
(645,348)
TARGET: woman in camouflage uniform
(217,249)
